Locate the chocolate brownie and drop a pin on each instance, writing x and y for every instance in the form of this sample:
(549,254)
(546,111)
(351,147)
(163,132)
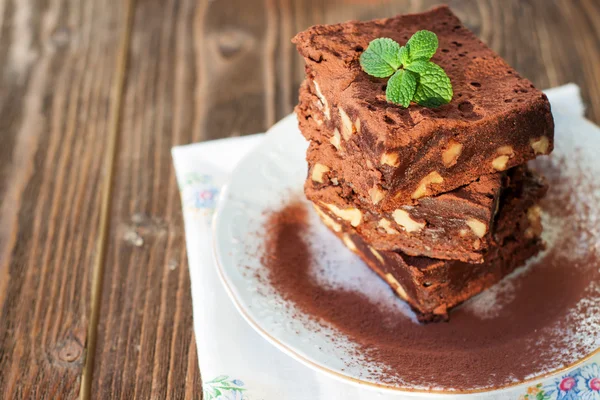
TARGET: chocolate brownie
(457,225)
(495,121)
(431,286)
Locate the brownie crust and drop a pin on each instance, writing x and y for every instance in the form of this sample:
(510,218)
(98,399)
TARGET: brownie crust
(495,121)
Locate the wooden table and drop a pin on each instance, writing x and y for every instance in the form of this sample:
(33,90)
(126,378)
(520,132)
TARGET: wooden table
(94,286)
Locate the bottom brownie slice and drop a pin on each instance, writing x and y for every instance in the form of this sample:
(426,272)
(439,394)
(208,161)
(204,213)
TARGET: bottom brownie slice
(432,287)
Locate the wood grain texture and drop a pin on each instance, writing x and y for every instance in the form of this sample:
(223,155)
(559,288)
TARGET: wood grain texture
(57,64)
(206,70)
(145,346)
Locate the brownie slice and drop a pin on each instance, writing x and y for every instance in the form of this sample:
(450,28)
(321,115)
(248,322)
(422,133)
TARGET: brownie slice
(432,287)
(457,225)
(495,121)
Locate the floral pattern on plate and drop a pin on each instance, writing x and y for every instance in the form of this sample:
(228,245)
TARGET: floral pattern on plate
(582,383)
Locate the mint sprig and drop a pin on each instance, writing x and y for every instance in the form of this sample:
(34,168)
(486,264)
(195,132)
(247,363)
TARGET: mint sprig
(413,76)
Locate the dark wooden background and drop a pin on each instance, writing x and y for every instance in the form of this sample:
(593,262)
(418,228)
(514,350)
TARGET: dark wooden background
(94,287)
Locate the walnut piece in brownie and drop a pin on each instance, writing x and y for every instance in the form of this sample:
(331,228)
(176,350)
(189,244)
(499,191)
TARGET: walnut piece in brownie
(495,121)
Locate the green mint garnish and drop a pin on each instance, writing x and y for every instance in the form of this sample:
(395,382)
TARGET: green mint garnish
(434,88)
(382,58)
(422,45)
(413,76)
(401,87)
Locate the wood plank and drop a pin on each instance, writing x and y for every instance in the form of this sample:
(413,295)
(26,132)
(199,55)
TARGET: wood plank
(580,49)
(145,345)
(205,70)
(236,42)
(56,67)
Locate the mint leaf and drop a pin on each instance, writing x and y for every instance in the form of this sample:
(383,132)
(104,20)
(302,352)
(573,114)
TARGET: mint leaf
(404,56)
(420,80)
(434,87)
(381,58)
(401,87)
(422,46)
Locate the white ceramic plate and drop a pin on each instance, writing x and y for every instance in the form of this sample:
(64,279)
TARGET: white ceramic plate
(273,174)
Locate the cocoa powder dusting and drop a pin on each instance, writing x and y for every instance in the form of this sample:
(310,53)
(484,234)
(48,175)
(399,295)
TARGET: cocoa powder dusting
(535,332)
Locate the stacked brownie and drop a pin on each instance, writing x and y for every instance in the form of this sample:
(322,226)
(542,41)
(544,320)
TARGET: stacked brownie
(438,201)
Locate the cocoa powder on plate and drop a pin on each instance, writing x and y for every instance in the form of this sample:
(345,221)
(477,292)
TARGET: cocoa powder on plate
(524,338)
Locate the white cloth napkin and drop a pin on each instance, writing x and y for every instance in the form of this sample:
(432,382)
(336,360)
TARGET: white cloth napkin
(235,362)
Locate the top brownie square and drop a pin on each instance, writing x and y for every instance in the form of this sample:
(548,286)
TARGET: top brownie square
(495,121)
